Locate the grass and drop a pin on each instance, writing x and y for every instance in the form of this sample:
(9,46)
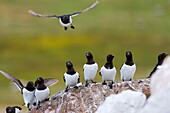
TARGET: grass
(32,47)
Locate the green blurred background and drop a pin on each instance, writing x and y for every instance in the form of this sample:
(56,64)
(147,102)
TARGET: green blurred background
(32,47)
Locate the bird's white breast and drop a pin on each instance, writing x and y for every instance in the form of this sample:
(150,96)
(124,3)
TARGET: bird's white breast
(17,110)
(108,74)
(90,71)
(71,80)
(65,25)
(159,67)
(41,95)
(127,72)
(28,96)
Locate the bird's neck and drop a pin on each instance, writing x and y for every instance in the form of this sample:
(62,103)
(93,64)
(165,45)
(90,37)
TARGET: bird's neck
(90,61)
(41,86)
(71,71)
(129,62)
(30,88)
(109,65)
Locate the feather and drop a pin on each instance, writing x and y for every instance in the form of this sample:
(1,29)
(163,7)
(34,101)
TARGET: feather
(41,15)
(72,15)
(50,81)
(85,10)
(16,81)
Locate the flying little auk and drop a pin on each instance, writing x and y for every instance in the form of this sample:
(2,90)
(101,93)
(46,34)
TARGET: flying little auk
(14,109)
(90,68)
(28,91)
(66,19)
(108,71)
(128,69)
(161,58)
(71,77)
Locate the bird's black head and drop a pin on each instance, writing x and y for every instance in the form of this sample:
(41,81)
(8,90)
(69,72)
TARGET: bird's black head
(70,68)
(89,55)
(129,59)
(110,57)
(65,19)
(10,110)
(40,80)
(161,58)
(30,86)
(129,55)
(69,65)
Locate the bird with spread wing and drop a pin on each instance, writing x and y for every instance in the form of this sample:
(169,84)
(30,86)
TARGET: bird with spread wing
(28,91)
(66,19)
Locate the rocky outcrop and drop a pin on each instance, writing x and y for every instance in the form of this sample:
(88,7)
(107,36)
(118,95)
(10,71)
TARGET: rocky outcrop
(88,99)
(135,102)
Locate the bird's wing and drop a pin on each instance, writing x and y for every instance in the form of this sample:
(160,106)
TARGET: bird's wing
(16,81)
(18,107)
(41,15)
(50,81)
(64,79)
(85,10)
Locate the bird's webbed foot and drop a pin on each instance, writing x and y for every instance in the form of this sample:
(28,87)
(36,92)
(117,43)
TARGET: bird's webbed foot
(66,90)
(87,83)
(65,28)
(111,85)
(104,83)
(72,27)
(38,105)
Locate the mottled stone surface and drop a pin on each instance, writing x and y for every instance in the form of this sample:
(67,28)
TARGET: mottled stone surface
(88,99)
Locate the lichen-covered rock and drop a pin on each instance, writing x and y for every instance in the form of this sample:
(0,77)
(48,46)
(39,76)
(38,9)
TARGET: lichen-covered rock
(88,99)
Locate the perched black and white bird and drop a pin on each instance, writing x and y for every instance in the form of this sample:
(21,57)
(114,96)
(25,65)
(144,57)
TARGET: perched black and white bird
(42,92)
(28,91)
(161,58)
(66,19)
(108,71)
(90,68)
(14,109)
(128,69)
(71,77)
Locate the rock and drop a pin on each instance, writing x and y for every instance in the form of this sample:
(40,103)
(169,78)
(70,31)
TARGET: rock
(97,97)
(88,99)
(125,102)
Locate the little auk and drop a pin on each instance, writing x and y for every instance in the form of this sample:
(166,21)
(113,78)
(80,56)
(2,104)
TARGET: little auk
(66,19)
(14,109)
(90,68)
(42,92)
(71,77)
(161,58)
(128,69)
(108,71)
(28,91)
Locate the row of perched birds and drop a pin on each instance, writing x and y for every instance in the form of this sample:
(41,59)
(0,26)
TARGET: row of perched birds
(107,71)
(34,93)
